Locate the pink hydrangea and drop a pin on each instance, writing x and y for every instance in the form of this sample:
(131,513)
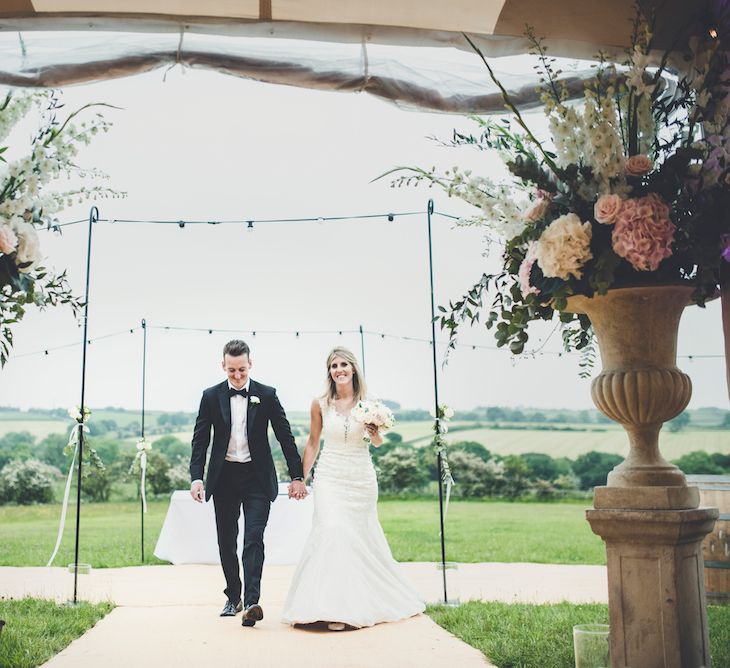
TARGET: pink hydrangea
(525,268)
(8,239)
(644,233)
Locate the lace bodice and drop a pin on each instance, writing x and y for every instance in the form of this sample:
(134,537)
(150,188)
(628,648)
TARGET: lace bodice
(341,432)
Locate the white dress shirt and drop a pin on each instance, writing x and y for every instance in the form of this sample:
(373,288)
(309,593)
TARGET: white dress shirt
(238,444)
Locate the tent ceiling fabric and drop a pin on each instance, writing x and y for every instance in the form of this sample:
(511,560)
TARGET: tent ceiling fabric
(411,52)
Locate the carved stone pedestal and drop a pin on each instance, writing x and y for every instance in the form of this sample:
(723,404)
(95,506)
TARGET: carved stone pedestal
(656,590)
(647,514)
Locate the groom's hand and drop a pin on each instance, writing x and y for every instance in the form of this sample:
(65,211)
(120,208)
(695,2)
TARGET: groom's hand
(297,489)
(197,491)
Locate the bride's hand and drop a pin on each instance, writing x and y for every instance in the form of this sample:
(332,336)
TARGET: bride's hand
(374,433)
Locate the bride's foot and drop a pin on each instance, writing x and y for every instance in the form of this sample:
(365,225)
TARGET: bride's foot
(336,626)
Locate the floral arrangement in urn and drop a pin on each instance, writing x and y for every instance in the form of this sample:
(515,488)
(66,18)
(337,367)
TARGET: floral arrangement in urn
(631,188)
(27,203)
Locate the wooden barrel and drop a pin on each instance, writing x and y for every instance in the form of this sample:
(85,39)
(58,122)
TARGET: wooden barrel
(715,493)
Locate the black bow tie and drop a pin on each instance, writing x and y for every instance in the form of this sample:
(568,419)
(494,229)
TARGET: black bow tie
(243,392)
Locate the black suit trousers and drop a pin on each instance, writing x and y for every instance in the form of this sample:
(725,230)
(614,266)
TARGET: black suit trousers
(239,486)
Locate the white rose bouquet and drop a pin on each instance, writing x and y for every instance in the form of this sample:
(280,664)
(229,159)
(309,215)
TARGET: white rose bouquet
(375,412)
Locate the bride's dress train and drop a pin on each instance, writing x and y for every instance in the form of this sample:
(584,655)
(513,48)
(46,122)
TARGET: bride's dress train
(346,572)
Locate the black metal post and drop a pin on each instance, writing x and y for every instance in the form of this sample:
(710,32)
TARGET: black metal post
(144,377)
(436,400)
(362,350)
(93,217)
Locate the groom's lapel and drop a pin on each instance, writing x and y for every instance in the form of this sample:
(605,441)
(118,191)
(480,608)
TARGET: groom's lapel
(225,403)
(252,408)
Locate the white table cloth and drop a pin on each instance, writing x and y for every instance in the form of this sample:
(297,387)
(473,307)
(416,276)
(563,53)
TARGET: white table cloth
(188,535)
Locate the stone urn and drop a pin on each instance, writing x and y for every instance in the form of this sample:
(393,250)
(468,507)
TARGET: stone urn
(640,387)
(647,514)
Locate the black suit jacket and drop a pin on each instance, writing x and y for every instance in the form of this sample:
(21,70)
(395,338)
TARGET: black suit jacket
(215,412)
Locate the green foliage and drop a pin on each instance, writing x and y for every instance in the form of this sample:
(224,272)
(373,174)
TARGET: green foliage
(399,472)
(97,485)
(38,629)
(26,482)
(699,462)
(593,467)
(173,448)
(678,423)
(16,446)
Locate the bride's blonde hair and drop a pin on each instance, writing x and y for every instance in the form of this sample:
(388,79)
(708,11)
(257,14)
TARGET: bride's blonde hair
(358,381)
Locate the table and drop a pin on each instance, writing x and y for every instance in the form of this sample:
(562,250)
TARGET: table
(188,535)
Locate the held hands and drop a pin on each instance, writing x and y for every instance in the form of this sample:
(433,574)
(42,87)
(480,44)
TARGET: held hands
(197,491)
(297,490)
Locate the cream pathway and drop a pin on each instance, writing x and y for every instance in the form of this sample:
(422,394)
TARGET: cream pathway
(168,616)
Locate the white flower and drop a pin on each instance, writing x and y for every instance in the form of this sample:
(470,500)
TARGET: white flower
(564,247)
(28,246)
(254,400)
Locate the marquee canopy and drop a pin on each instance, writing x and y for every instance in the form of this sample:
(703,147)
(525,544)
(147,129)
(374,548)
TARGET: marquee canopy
(412,52)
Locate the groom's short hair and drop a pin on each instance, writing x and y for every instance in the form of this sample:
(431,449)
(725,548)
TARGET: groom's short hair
(236,348)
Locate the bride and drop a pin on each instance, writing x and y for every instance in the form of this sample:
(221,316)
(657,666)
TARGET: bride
(346,575)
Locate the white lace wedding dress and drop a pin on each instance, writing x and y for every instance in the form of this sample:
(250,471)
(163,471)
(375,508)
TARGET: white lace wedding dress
(346,572)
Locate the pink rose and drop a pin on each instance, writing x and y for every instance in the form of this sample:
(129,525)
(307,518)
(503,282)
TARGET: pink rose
(644,233)
(606,208)
(638,165)
(537,210)
(8,239)
(525,268)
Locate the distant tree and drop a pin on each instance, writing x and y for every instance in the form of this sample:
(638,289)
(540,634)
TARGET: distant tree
(495,414)
(538,417)
(399,471)
(50,451)
(603,419)
(584,417)
(393,437)
(516,415)
(472,474)
(393,405)
(593,467)
(516,476)
(541,466)
(17,445)
(726,421)
(26,482)
(698,462)
(175,449)
(723,461)
(97,484)
(678,423)
(473,448)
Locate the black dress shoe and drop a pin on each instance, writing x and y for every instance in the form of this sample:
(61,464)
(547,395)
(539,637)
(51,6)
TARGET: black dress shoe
(252,614)
(230,609)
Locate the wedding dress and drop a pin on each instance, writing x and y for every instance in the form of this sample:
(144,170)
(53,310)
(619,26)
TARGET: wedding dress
(346,572)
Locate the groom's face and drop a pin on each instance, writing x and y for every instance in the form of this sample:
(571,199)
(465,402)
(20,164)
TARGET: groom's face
(237,369)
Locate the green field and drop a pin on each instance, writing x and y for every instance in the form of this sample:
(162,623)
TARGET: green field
(475,532)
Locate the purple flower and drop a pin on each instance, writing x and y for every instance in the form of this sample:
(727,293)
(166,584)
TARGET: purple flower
(725,243)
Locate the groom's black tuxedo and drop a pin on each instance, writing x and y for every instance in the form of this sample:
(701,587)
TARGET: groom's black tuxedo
(252,485)
(215,412)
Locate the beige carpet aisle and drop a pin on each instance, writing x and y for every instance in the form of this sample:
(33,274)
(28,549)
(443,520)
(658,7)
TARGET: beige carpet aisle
(168,616)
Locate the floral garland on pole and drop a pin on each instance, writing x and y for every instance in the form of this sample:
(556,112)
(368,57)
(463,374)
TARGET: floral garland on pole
(440,427)
(90,456)
(139,464)
(26,203)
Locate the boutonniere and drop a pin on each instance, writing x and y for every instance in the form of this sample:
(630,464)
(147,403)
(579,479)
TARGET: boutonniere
(254,400)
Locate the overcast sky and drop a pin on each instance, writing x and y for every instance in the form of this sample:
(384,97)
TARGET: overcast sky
(205,146)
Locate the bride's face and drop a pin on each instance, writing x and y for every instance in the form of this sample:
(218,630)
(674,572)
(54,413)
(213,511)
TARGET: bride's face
(341,371)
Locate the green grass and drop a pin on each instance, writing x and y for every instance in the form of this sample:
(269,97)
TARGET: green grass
(540,636)
(552,533)
(110,534)
(475,532)
(37,629)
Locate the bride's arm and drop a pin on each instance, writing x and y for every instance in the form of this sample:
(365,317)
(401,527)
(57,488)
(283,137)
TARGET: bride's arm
(315,431)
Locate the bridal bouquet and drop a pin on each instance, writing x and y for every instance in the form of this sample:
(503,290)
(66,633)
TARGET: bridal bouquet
(27,204)
(373,412)
(632,186)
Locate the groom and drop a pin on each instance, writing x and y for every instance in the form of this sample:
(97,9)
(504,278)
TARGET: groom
(241,471)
